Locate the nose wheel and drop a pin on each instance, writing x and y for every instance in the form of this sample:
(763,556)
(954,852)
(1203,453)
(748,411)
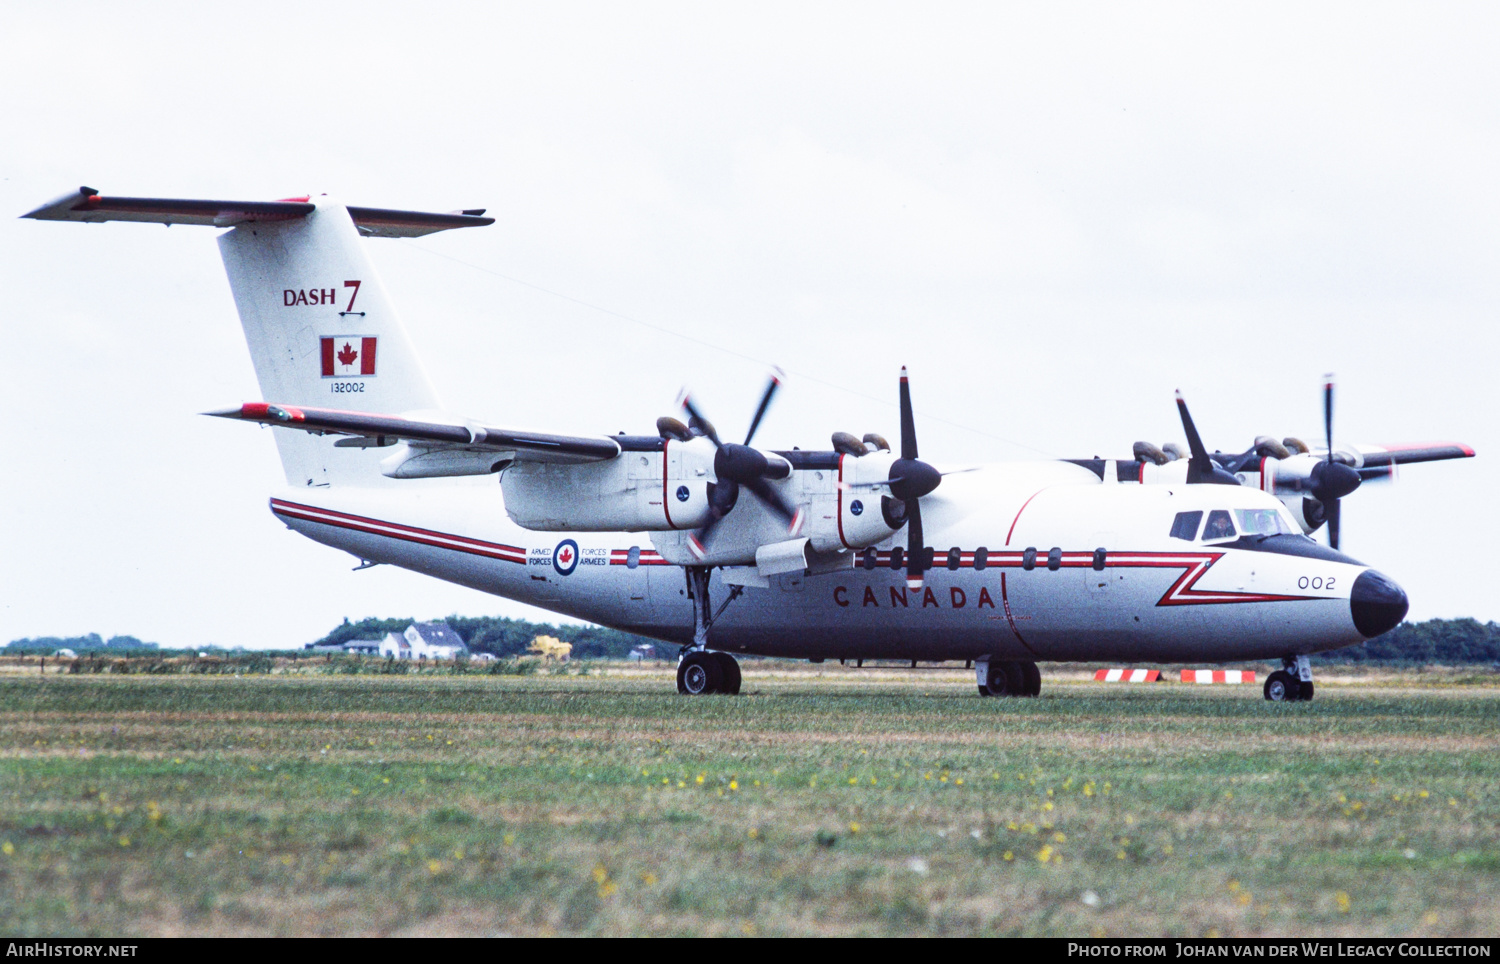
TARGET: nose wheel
(1291,684)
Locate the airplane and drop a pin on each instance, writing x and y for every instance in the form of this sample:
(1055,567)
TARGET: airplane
(862,552)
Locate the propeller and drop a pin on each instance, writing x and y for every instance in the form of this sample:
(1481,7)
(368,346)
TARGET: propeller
(909,479)
(740,465)
(1201,468)
(1330,480)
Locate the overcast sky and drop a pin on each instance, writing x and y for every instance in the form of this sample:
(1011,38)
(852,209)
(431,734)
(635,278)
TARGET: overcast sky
(1054,214)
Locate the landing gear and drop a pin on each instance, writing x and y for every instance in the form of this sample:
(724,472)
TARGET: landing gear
(1291,684)
(1006,678)
(700,672)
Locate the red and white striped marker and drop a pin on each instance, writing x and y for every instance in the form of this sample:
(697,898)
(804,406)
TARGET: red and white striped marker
(1217,676)
(1127,675)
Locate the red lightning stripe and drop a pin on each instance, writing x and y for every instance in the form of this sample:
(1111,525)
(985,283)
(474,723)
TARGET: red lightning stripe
(394,530)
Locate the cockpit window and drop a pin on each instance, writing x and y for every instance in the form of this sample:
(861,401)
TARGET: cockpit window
(1219,526)
(1185,526)
(1261,522)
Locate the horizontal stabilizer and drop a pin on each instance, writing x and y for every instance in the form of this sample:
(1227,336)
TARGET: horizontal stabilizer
(381,430)
(88,205)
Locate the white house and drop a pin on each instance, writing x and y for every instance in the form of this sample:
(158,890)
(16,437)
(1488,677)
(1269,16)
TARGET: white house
(424,641)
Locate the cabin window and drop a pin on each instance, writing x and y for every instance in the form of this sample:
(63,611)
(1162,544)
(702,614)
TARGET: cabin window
(1028,558)
(871,558)
(1099,559)
(1185,526)
(1054,558)
(896,557)
(1261,522)
(633,558)
(1219,526)
(955,556)
(981,558)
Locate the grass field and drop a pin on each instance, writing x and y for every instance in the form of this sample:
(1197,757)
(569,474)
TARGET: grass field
(832,802)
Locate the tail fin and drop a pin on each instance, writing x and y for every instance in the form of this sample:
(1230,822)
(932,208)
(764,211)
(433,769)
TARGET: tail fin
(320,326)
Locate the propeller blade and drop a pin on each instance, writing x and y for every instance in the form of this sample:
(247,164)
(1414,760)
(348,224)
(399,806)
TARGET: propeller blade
(916,558)
(697,417)
(726,492)
(908,422)
(1200,466)
(765,402)
(774,501)
(1333,511)
(1328,413)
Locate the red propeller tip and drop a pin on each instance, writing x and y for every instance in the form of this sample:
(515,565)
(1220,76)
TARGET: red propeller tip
(797,521)
(914,582)
(696,547)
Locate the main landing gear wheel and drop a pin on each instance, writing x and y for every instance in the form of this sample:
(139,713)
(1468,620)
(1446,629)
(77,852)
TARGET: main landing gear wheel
(1032,677)
(1006,678)
(730,671)
(700,673)
(1283,687)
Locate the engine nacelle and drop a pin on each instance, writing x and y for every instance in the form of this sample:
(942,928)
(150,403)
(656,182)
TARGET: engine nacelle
(852,519)
(642,490)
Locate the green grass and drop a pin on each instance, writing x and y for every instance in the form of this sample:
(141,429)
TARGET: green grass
(834,802)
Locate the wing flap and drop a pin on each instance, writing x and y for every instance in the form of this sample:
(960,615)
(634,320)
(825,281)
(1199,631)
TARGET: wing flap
(383,429)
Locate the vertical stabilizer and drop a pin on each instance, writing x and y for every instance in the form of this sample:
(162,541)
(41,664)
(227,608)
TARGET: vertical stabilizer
(322,332)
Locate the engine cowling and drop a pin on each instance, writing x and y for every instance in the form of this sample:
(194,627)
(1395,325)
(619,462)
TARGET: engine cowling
(640,491)
(851,519)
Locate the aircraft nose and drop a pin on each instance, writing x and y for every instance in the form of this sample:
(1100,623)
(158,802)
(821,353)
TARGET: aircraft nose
(1376,603)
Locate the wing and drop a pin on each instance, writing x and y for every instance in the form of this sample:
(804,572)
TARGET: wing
(1381,460)
(86,204)
(366,429)
(1404,453)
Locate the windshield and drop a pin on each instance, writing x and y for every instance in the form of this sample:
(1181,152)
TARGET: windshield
(1261,522)
(1219,526)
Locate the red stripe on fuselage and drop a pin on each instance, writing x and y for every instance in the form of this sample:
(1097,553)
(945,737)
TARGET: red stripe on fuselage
(395,530)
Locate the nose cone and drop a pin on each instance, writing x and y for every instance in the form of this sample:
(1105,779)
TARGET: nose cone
(1376,603)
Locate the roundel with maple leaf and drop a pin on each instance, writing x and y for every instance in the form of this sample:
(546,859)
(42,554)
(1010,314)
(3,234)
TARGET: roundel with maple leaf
(565,557)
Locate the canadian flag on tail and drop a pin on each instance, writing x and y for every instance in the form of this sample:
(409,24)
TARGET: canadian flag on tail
(347,355)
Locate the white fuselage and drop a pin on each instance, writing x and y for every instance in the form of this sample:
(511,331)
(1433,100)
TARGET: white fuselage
(1146,596)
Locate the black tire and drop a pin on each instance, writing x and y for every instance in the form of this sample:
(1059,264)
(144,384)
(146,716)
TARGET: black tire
(1017,677)
(698,674)
(1282,687)
(999,679)
(1032,679)
(1305,688)
(729,670)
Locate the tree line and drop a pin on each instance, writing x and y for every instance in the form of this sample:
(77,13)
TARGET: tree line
(1444,641)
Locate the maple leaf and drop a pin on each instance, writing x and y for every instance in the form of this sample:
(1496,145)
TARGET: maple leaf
(347,355)
(565,556)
